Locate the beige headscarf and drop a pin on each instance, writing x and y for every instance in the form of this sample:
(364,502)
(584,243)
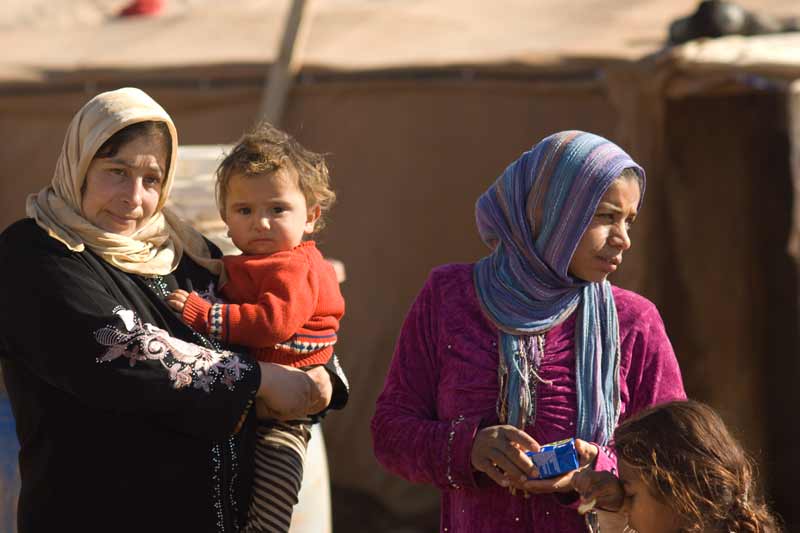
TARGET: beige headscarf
(157,247)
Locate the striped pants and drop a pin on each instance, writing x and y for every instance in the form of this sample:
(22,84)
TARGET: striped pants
(280,454)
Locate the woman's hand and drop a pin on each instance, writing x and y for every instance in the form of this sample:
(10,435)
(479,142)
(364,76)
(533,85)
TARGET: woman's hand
(602,487)
(287,393)
(499,452)
(177,300)
(587,453)
(324,389)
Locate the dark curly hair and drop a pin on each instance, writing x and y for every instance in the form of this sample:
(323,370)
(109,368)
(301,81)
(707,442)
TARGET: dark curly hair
(691,462)
(266,149)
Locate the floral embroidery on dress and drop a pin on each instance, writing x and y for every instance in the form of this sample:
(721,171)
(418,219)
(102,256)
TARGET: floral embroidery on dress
(187,364)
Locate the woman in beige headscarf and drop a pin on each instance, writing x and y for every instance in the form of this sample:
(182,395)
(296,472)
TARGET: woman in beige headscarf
(127,419)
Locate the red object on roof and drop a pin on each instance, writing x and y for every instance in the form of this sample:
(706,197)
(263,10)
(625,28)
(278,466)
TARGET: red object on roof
(142,7)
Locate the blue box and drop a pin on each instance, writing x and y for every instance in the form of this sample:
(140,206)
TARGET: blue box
(555,458)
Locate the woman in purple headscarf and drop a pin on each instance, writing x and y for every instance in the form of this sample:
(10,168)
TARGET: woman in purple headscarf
(527,346)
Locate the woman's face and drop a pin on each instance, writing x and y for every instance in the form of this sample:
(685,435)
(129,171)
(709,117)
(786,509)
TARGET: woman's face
(121,192)
(599,252)
(646,514)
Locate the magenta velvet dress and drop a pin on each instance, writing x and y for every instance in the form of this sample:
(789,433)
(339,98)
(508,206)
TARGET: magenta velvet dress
(442,387)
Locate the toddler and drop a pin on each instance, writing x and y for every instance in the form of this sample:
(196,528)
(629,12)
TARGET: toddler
(285,303)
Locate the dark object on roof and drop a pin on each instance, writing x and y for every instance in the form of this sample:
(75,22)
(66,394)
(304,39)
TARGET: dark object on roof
(717,18)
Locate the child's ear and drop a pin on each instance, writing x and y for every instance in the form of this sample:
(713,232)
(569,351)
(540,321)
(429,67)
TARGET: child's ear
(313,215)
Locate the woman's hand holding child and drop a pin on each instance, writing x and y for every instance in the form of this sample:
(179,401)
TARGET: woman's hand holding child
(286,393)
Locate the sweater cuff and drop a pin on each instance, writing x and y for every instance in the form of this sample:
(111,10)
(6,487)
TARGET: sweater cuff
(606,459)
(195,313)
(460,437)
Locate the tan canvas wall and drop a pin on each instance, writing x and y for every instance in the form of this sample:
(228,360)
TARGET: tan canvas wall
(732,313)
(408,175)
(726,190)
(719,204)
(408,160)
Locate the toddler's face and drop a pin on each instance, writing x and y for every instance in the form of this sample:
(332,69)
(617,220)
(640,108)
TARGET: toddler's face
(268,214)
(646,514)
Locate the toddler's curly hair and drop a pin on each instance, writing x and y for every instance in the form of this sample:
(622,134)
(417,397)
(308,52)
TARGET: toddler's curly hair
(266,149)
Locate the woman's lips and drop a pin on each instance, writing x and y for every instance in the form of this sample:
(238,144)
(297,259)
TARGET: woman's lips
(125,220)
(610,264)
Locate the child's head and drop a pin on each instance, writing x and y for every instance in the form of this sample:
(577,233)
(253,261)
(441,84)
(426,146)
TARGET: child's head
(684,472)
(271,191)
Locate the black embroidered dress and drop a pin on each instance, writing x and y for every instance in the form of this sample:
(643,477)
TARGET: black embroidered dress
(125,416)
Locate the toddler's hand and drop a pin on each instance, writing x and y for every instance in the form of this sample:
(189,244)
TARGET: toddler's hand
(177,300)
(602,487)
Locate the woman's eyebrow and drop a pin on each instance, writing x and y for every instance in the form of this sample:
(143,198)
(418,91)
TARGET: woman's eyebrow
(130,164)
(614,208)
(610,206)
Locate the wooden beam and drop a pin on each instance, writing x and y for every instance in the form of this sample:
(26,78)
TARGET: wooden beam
(287,63)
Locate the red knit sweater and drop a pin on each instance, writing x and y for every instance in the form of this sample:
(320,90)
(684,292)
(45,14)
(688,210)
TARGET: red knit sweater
(286,306)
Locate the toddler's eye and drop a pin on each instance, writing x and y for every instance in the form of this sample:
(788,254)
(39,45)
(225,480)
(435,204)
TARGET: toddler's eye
(278,210)
(243,211)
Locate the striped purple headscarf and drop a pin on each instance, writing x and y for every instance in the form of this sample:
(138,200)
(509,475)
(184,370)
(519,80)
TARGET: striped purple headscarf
(524,285)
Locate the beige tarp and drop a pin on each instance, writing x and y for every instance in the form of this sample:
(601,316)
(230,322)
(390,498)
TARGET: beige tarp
(62,40)
(421,104)
(714,123)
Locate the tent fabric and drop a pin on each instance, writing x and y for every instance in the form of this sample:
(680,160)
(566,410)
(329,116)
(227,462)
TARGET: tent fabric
(713,122)
(47,40)
(777,54)
(421,105)
(408,159)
